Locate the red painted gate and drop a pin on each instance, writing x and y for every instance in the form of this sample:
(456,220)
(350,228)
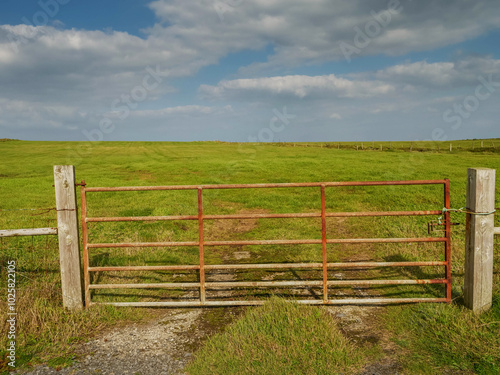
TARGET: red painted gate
(324,282)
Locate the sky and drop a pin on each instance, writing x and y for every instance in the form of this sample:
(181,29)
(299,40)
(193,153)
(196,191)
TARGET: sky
(249,70)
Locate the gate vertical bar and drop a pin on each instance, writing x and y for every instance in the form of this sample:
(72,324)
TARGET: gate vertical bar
(201,245)
(85,240)
(447,244)
(323,238)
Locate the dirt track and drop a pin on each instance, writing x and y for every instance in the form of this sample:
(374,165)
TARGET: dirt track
(163,345)
(166,343)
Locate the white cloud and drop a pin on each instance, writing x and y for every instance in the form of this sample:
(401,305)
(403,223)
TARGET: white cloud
(16,114)
(190,35)
(463,72)
(385,107)
(187,110)
(421,72)
(446,99)
(299,86)
(49,75)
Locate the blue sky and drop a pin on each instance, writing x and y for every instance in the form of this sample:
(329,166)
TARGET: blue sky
(249,70)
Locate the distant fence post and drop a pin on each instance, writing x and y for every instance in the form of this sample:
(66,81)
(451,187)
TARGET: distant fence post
(69,239)
(479,235)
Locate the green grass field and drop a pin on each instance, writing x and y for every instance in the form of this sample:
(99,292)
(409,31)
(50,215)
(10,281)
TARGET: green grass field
(45,329)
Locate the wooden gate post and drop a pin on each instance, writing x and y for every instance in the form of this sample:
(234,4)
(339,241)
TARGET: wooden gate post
(69,239)
(479,239)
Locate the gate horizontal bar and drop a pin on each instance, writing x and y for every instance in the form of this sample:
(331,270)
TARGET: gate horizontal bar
(27,232)
(329,265)
(271,266)
(263,216)
(145,286)
(143,244)
(269,242)
(140,218)
(265,284)
(350,301)
(256,186)
(143,268)
(235,284)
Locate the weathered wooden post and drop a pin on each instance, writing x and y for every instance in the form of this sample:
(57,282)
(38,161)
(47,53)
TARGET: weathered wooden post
(479,239)
(69,239)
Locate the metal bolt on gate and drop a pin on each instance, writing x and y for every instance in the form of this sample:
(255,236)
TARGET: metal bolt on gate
(324,241)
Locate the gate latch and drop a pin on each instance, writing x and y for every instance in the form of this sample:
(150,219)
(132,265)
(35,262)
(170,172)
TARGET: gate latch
(431,226)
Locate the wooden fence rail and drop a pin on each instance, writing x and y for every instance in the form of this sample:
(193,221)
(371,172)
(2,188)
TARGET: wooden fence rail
(28,232)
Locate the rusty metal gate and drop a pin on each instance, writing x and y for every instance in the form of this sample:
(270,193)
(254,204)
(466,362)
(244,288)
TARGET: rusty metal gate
(324,282)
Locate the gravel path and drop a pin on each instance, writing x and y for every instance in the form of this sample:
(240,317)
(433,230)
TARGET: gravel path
(165,345)
(160,346)
(157,347)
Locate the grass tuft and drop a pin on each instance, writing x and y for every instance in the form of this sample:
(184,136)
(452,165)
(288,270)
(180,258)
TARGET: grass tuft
(279,338)
(46,331)
(440,336)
